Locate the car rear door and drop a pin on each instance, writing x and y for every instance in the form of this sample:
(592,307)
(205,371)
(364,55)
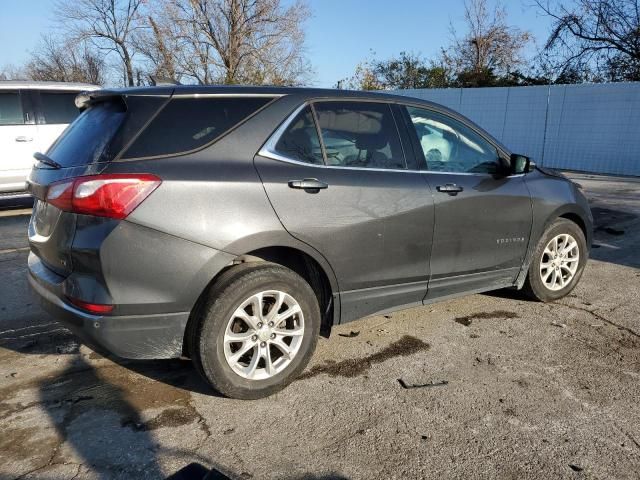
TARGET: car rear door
(483,215)
(337,177)
(17,139)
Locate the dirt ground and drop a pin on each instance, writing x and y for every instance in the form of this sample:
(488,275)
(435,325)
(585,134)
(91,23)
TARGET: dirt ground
(507,388)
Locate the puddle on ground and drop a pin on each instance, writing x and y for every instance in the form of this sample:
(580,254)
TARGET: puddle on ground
(605,218)
(170,417)
(126,390)
(353,367)
(467,320)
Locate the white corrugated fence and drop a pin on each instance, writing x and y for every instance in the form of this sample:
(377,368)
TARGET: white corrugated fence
(590,128)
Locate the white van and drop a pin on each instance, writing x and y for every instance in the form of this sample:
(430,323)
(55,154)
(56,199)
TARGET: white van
(32,116)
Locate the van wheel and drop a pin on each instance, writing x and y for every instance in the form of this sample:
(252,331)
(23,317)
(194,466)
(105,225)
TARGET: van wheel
(257,331)
(558,262)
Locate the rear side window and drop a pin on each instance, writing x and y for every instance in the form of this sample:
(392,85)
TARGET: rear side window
(360,134)
(58,108)
(300,140)
(187,124)
(87,139)
(10,109)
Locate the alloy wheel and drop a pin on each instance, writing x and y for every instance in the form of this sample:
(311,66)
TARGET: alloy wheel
(559,262)
(263,335)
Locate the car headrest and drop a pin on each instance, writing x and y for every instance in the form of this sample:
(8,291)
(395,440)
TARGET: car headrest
(370,142)
(350,121)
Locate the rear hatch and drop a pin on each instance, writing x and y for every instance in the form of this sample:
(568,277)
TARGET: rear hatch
(86,147)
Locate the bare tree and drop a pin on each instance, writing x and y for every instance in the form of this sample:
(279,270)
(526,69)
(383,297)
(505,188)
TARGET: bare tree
(363,78)
(65,61)
(231,41)
(11,72)
(406,70)
(595,35)
(107,24)
(158,45)
(489,49)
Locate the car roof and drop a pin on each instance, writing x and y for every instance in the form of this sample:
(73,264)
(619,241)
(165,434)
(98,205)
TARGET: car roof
(182,90)
(304,93)
(33,85)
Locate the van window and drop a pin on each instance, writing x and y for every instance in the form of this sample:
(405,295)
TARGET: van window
(58,108)
(10,109)
(187,124)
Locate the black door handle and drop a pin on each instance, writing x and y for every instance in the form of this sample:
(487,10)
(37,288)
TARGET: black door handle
(312,185)
(450,188)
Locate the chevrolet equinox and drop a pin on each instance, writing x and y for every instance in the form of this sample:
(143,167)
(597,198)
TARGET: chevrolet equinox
(233,225)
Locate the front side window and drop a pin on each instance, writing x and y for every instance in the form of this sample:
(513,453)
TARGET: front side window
(300,140)
(450,146)
(10,109)
(359,134)
(58,108)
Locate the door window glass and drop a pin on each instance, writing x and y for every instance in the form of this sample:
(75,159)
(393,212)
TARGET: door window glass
(360,134)
(10,109)
(58,108)
(300,140)
(450,146)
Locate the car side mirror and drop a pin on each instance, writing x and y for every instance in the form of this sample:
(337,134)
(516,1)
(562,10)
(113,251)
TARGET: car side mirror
(520,164)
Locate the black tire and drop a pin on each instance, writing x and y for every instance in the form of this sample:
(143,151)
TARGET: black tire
(206,338)
(534,286)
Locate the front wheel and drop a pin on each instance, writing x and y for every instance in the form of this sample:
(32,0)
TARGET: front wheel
(257,331)
(558,262)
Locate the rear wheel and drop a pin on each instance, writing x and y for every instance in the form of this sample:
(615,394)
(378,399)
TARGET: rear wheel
(257,330)
(558,262)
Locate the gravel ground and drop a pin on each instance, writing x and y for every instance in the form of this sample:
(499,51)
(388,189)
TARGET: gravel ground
(508,388)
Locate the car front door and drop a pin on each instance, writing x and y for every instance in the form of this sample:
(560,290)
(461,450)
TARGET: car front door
(17,140)
(338,180)
(483,215)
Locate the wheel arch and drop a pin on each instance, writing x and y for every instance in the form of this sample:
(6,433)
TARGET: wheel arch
(315,271)
(578,220)
(571,212)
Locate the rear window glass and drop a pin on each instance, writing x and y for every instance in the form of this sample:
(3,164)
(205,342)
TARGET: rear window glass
(58,108)
(10,109)
(187,124)
(86,140)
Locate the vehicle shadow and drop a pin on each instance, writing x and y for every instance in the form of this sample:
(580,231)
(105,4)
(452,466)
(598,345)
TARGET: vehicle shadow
(198,471)
(54,339)
(89,415)
(98,415)
(508,294)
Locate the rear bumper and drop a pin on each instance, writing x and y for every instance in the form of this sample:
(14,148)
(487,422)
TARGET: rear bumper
(150,336)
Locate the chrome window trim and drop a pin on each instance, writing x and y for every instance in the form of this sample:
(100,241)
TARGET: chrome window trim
(227,95)
(269,148)
(268,151)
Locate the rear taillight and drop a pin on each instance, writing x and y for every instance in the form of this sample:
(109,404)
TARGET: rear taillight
(95,308)
(112,196)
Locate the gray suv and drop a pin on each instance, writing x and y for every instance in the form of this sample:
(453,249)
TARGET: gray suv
(234,225)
